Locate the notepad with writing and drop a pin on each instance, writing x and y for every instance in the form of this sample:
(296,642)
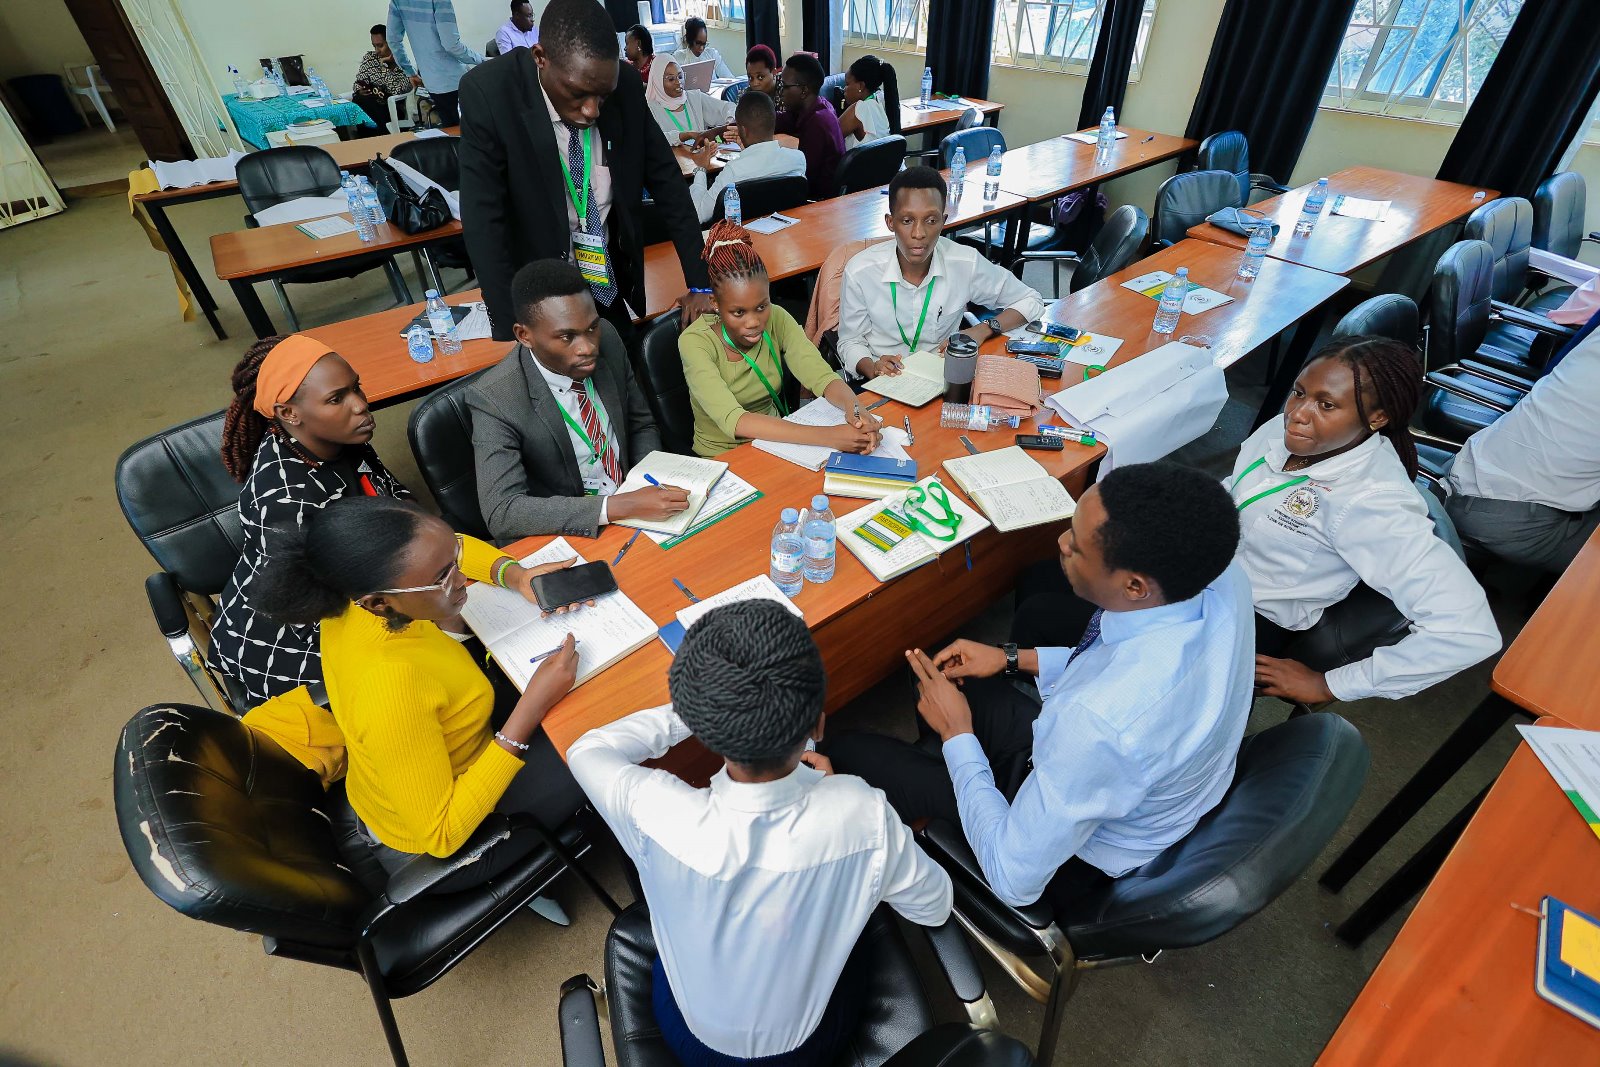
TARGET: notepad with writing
(332,226)
(730,494)
(821,412)
(515,633)
(915,548)
(697,476)
(1568,970)
(761,587)
(1011,488)
(920,380)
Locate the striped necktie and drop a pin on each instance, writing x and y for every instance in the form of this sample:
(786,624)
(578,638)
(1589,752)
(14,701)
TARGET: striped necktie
(597,436)
(606,292)
(1091,634)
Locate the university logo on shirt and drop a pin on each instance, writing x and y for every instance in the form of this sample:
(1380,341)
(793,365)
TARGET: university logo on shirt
(1302,503)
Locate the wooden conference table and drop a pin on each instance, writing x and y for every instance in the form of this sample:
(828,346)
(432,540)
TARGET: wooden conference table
(349,155)
(914,119)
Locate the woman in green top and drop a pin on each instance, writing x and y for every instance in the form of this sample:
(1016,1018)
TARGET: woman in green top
(735,361)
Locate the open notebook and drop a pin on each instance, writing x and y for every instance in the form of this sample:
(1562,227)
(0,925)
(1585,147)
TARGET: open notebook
(921,380)
(696,475)
(515,633)
(761,587)
(1011,488)
(821,412)
(730,494)
(915,549)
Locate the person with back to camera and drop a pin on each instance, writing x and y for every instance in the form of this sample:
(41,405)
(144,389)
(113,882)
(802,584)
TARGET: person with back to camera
(872,99)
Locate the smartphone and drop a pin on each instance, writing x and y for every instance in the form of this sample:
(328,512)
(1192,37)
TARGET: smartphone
(1053,329)
(573,585)
(1033,348)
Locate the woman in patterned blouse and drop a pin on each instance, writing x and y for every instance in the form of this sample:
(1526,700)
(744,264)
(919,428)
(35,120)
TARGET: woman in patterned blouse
(380,77)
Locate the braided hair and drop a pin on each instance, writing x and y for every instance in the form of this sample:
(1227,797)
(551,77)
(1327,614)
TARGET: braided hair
(730,254)
(748,680)
(1390,370)
(243,426)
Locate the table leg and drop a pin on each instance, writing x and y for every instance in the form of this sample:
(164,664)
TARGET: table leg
(1299,347)
(250,304)
(1452,755)
(185,265)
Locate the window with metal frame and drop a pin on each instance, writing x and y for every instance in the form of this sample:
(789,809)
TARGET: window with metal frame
(894,23)
(1059,34)
(1418,59)
(715,12)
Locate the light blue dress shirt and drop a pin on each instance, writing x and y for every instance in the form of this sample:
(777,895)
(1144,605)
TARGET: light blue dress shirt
(1135,742)
(431,27)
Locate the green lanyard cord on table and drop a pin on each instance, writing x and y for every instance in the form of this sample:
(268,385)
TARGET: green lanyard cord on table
(894,296)
(577,427)
(581,207)
(773,393)
(1265,492)
(683,127)
(919,519)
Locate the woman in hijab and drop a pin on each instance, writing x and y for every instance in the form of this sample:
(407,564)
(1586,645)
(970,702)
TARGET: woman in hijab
(691,116)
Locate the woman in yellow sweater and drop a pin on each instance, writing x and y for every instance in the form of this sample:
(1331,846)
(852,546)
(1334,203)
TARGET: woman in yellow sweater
(387,582)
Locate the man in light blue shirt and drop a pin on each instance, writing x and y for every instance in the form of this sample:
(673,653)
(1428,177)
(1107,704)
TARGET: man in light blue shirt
(441,56)
(1127,739)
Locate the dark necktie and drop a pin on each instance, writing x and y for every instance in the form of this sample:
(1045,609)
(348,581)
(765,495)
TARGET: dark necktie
(1091,634)
(597,436)
(605,292)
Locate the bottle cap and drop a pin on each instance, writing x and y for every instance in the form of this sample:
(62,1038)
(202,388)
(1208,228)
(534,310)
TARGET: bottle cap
(1183,272)
(431,293)
(790,515)
(819,503)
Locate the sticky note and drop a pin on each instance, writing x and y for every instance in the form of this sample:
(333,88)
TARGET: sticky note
(1580,945)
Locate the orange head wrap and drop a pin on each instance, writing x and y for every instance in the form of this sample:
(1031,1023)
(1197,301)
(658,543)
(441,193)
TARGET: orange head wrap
(285,367)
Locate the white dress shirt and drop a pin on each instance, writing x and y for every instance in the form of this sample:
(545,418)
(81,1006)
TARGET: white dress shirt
(765,159)
(757,892)
(590,469)
(683,56)
(599,167)
(509,37)
(959,274)
(874,121)
(697,112)
(1359,519)
(1546,449)
(1135,742)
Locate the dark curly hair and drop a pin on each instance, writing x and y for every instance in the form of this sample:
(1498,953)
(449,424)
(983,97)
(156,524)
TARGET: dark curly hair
(1173,524)
(243,426)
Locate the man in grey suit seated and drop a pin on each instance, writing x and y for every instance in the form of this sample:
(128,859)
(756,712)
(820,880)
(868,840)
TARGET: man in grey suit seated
(558,422)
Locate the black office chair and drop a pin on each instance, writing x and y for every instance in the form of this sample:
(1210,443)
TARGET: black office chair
(1391,315)
(278,175)
(1230,151)
(491,49)
(438,159)
(659,369)
(184,507)
(833,91)
(895,1027)
(1119,242)
(976,142)
(1187,199)
(759,197)
(440,432)
(226,827)
(870,164)
(1558,212)
(1293,785)
(1506,225)
(732,93)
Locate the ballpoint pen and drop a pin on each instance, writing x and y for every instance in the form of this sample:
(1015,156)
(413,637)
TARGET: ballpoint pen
(685,591)
(877,404)
(623,551)
(652,481)
(1147,140)
(911,438)
(553,651)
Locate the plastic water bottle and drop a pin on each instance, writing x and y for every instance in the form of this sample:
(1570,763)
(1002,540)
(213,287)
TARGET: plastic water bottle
(1311,210)
(277,78)
(991,180)
(419,344)
(240,88)
(1106,139)
(730,206)
(1255,252)
(927,86)
(369,197)
(443,324)
(975,417)
(788,553)
(958,174)
(1171,305)
(816,525)
(358,209)
(319,86)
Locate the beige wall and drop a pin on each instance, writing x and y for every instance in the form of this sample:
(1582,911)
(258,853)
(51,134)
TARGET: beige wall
(38,37)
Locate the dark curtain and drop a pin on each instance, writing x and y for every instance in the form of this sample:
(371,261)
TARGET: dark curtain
(624,13)
(816,30)
(960,39)
(760,27)
(1113,59)
(1533,101)
(1268,67)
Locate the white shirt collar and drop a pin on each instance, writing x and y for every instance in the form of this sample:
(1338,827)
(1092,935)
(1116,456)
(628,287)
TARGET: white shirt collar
(1326,470)
(892,272)
(764,796)
(559,384)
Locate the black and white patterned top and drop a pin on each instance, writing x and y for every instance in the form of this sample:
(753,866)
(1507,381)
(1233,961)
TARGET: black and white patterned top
(264,656)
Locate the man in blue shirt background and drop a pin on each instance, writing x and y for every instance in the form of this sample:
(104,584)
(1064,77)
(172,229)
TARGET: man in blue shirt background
(1123,743)
(441,56)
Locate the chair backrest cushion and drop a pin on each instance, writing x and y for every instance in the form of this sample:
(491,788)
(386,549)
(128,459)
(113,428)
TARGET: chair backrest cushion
(1507,226)
(975,141)
(833,91)
(226,827)
(277,175)
(183,504)
(1293,785)
(1186,199)
(759,197)
(1228,151)
(1118,244)
(1558,206)
(660,372)
(1391,315)
(732,93)
(440,432)
(1463,282)
(436,158)
(870,163)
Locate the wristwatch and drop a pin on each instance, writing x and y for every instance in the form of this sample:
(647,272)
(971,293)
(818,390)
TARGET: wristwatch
(994,328)
(1010,649)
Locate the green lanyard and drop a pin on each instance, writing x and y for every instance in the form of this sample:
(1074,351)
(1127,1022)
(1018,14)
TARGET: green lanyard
(940,528)
(580,207)
(1265,492)
(894,295)
(577,427)
(683,127)
(773,393)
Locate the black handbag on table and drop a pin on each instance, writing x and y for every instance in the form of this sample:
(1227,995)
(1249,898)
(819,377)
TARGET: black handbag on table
(401,204)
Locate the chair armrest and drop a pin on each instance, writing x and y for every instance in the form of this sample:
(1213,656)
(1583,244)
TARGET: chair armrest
(1047,256)
(166,604)
(1018,929)
(1464,388)
(1267,183)
(1593,235)
(579,1019)
(1498,375)
(424,872)
(956,960)
(1515,316)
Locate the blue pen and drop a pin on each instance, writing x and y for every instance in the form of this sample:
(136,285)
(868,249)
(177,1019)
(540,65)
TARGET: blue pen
(652,481)
(968,547)
(685,591)
(553,651)
(624,549)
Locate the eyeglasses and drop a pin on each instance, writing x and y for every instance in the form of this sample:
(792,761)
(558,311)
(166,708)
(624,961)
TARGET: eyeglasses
(452,580)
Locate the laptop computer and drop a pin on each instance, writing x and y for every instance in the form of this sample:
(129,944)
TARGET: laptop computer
(698,75)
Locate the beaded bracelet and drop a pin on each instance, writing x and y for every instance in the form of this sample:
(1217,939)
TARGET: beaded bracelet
(518,745)
(500,571)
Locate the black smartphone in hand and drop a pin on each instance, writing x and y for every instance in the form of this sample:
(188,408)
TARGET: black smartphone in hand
(573,585)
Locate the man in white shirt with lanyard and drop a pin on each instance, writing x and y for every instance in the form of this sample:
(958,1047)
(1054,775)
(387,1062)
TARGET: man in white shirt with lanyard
(909,295)
(558,422)
(762,157)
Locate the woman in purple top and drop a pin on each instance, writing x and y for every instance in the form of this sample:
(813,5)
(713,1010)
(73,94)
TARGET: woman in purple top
(811,119)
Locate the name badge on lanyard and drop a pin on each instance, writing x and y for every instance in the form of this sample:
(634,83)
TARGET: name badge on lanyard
(589,252)
(592,484)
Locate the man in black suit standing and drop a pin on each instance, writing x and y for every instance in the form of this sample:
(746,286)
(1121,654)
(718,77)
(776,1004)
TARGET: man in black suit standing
(557,148)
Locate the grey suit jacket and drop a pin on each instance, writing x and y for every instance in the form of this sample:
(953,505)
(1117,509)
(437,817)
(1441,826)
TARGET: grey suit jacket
(528,481)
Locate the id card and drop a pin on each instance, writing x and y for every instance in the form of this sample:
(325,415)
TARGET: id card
(884,530)
(592,485)
(589,253)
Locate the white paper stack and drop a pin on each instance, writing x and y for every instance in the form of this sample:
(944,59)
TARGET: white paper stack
(821,412)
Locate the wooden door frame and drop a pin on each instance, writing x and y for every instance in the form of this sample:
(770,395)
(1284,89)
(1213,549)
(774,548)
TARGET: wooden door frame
(89,15)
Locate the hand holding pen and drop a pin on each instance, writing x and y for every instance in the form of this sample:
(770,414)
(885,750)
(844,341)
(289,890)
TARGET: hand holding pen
(656,502)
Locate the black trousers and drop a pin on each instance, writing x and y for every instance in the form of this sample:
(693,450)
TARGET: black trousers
(444,106)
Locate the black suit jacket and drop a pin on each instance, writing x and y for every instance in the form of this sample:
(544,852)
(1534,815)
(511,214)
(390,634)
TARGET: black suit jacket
(514,196)
(528,481)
